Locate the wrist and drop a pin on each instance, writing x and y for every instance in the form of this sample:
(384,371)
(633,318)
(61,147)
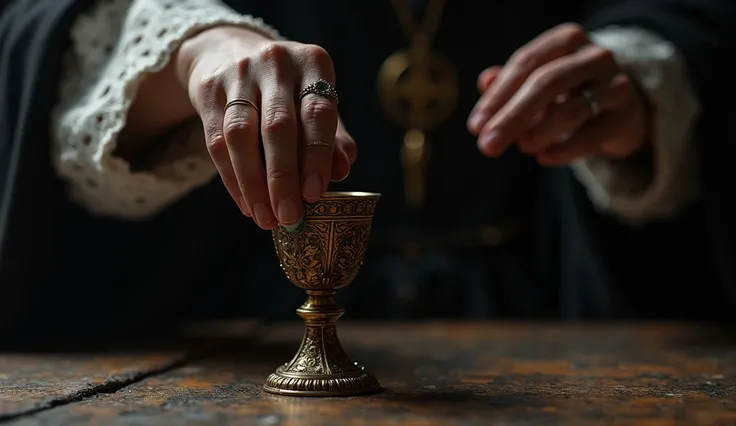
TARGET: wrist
(194,49)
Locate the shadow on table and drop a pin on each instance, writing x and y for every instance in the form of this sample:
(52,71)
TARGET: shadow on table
(199,337)
(706,338)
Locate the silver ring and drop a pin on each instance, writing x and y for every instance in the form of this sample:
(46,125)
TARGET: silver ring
(595,107)
(322,88)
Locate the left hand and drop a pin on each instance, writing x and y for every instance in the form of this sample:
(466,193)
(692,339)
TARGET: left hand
(538,99)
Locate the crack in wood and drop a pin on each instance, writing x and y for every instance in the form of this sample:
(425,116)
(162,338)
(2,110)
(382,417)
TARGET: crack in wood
(111,386)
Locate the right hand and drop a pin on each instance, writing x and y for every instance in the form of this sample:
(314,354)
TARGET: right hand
(222,64)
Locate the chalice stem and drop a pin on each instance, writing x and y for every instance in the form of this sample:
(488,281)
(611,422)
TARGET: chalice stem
(321,348)
(321,367)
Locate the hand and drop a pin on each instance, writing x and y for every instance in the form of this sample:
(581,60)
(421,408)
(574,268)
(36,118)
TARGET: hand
(537,99)
(304,144)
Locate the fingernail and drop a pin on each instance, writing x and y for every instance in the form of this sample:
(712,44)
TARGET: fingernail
(476,122)
(262,214)
(289,213)
(312,189)
(488,142)
(295,229)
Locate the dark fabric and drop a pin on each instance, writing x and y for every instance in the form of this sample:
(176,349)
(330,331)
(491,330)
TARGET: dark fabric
(63,271)
(703,238)
(32,36)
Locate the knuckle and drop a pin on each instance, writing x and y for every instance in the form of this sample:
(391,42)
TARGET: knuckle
(215,143)
(278,120)
(542,78)
(572,34)
(275,53)
(622,86)
(319,109)
(208,84)
(237,128)
(601,55)
(243,66)
(318,55)
(524,60)
(277,173)
(245,185)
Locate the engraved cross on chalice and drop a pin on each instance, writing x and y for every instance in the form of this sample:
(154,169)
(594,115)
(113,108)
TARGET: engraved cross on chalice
(325,257)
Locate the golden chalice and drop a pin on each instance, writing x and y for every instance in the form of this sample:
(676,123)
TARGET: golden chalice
(323,258)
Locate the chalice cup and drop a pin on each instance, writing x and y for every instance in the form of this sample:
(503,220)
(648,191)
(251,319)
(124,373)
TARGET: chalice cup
(324,257)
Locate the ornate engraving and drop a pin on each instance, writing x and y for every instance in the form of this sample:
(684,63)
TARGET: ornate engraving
(309,357)
(324,258)
(321,368)
(330,251)
(303,258)
(350,246)
(340,206)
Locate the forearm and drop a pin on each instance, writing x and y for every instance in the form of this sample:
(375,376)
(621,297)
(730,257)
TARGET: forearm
(162,103)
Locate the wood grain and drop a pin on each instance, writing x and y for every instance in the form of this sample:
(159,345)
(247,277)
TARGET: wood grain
(452,374)
(32,382)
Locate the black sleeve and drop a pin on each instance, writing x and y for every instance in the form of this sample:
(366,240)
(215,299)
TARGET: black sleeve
(704,31)
(33,35)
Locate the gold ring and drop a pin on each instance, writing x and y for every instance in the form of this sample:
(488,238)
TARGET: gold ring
(319,143)
(243,102)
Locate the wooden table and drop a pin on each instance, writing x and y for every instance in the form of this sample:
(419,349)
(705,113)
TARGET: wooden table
(434,374)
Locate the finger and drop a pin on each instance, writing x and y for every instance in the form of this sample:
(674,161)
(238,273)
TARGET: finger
(241,134)
(319,124)
(346,142)
(279,130)
(344,154)
(210,100)
(341,163)
(587,141)
(539,91)
(564,118)
(486,78)
(550,45)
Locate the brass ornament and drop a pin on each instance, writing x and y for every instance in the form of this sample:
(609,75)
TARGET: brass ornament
(418,89)
(325,257)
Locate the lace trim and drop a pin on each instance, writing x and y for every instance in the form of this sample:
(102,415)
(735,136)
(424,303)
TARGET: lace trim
(114,46)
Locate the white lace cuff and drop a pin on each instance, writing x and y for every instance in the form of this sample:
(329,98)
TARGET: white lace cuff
(660,190)
(114,46)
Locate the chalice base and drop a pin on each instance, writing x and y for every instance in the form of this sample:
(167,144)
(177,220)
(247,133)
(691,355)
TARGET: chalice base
(321,368)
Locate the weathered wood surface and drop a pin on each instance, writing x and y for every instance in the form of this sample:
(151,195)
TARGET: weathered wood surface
(35,378)
(32,382)
(451,374)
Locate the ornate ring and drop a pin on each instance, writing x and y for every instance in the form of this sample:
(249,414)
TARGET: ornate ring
(245,102)
(319,144)
(595,107)
(322,88)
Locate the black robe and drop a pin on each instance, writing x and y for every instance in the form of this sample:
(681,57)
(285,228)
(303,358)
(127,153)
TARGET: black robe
(63,271)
